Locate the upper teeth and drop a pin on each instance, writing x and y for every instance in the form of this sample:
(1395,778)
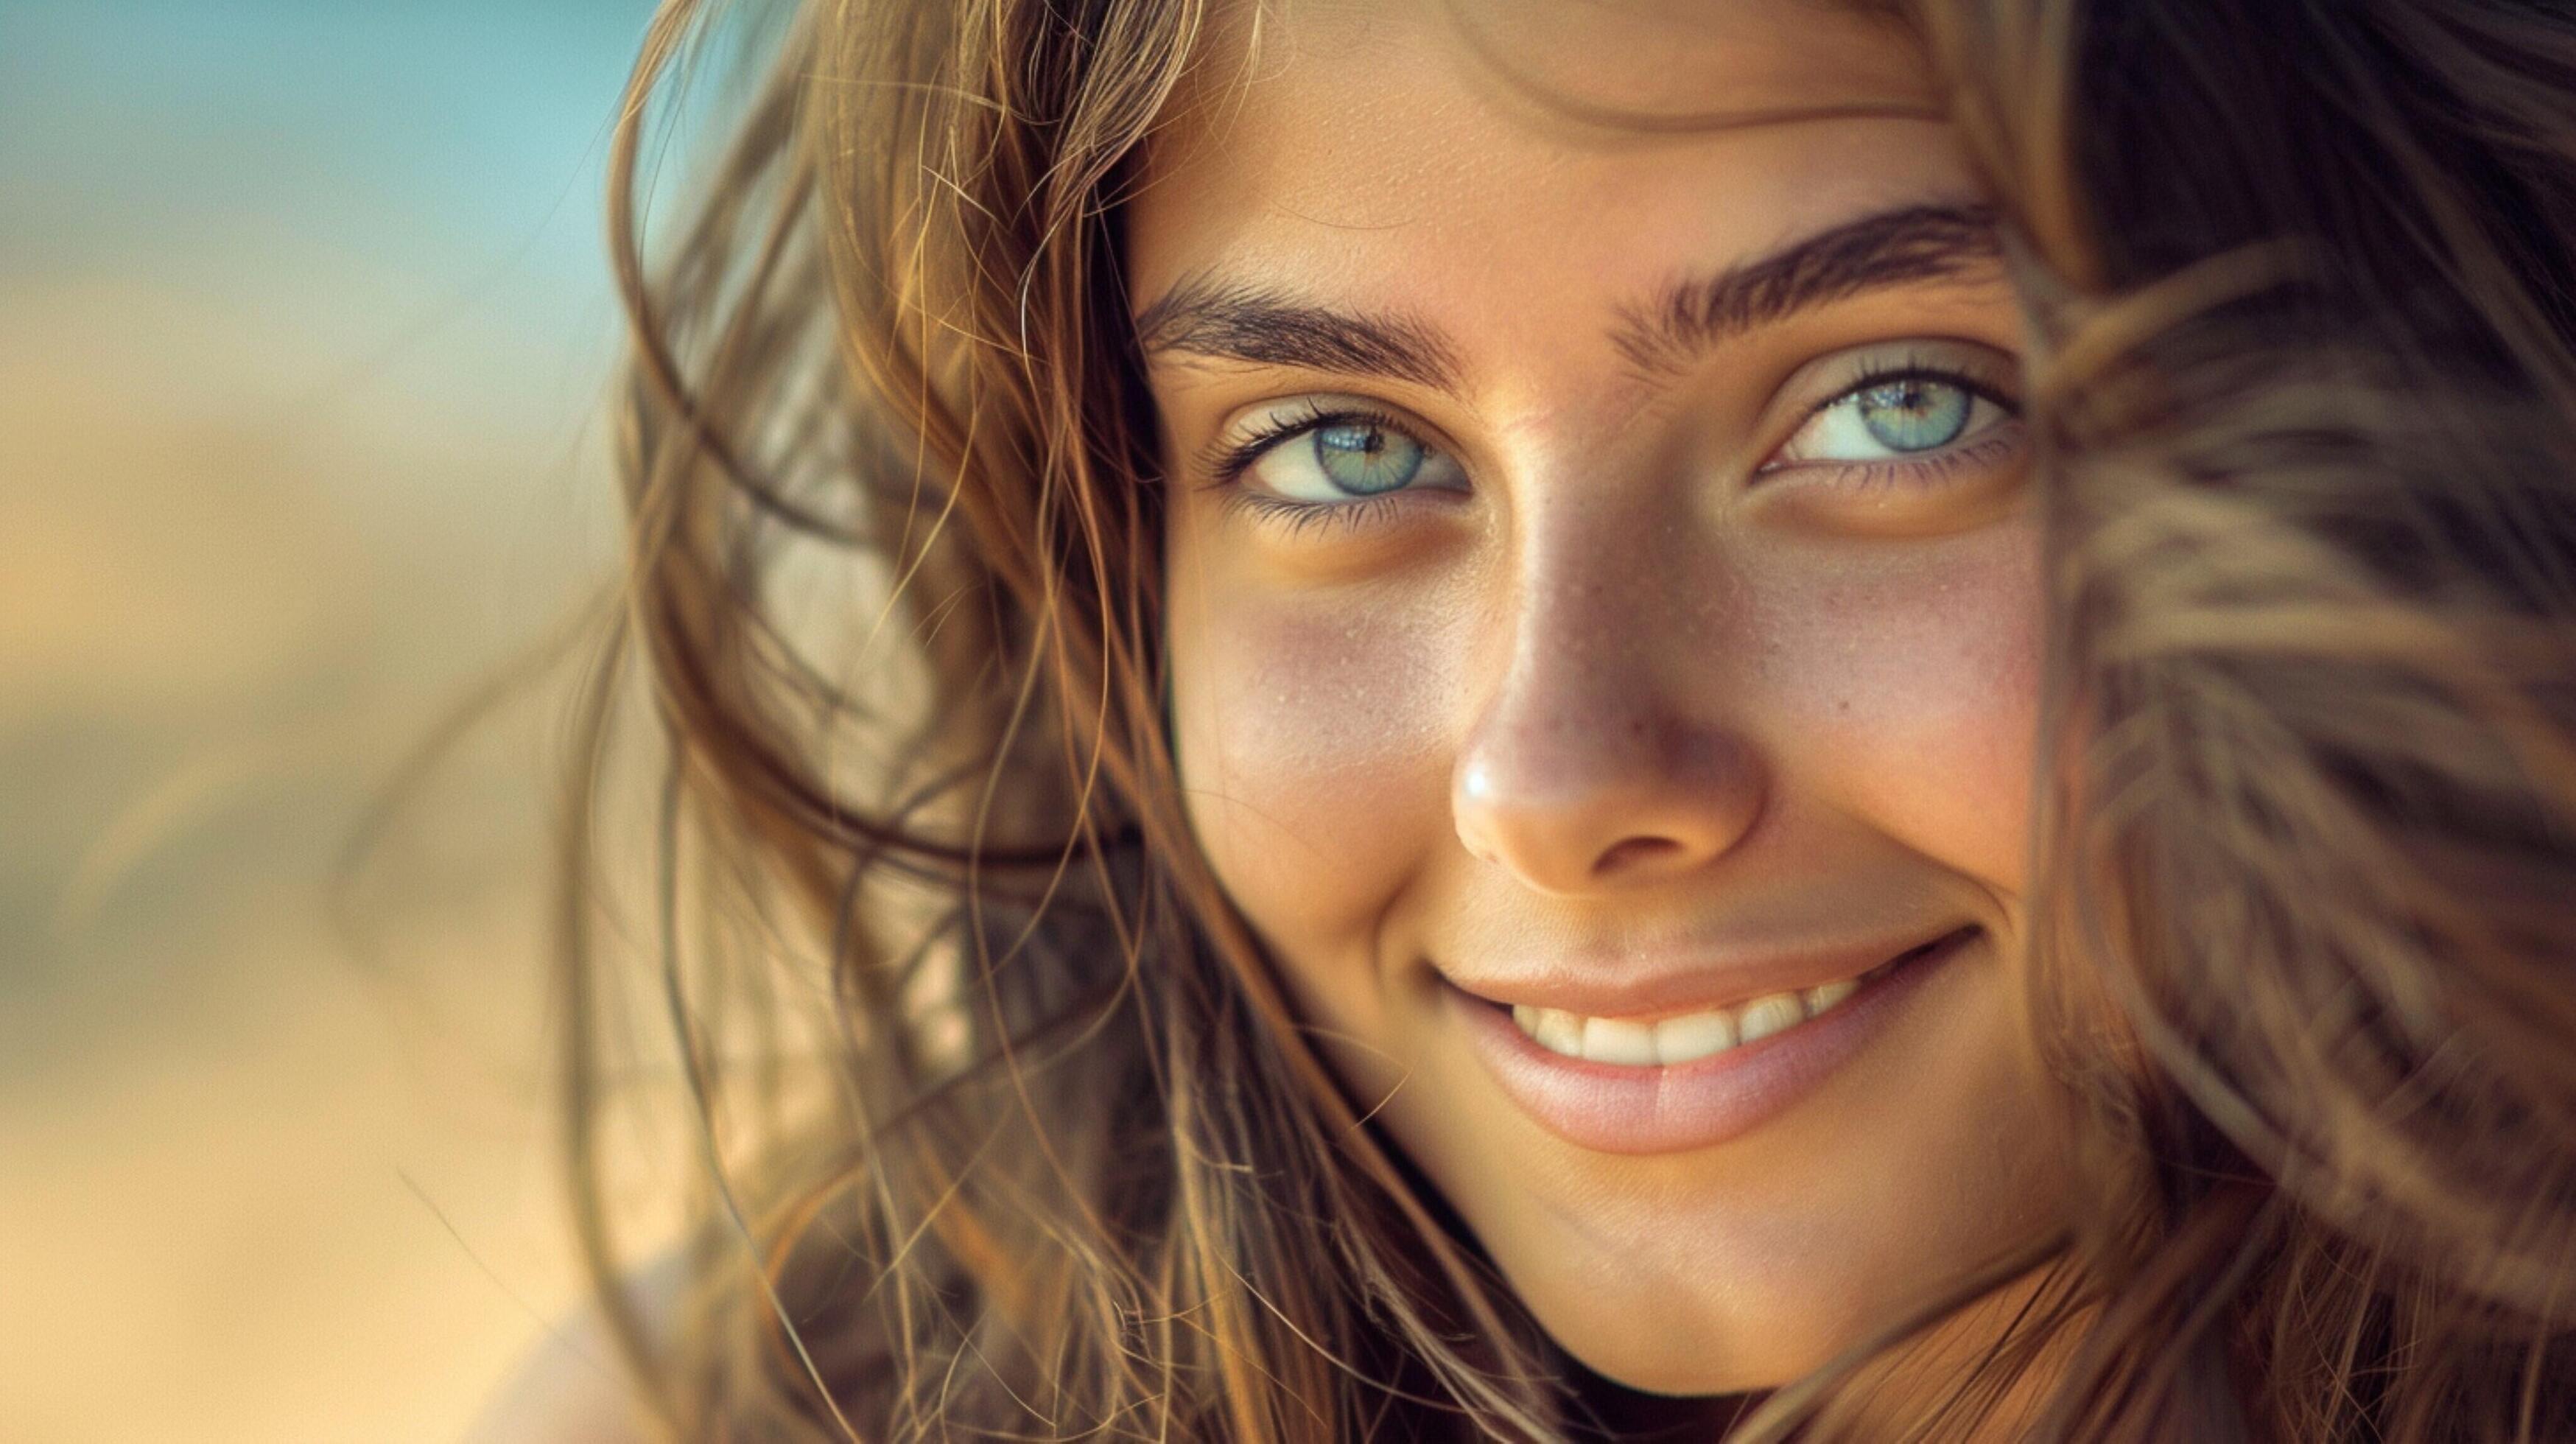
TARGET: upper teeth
(1678,1039)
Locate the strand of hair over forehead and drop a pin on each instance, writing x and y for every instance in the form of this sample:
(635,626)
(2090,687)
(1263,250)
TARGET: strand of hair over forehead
(1605,119)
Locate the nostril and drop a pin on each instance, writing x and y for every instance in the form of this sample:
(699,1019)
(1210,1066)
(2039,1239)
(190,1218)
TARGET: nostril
(1632,853)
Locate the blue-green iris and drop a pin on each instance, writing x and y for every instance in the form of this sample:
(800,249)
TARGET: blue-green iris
(1914,413)
(1364,460)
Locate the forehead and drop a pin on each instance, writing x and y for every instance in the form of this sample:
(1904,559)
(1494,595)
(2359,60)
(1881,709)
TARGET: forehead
(1461,157)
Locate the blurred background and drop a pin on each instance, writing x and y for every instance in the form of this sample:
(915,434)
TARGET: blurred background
(304,329)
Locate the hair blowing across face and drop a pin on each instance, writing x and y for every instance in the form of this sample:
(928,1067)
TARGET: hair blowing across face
(1006,1128)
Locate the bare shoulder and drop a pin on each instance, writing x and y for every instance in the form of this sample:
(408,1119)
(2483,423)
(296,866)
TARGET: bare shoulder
(574,1387)
(571,1389)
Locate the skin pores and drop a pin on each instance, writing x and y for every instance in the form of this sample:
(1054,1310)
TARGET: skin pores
(1568,611)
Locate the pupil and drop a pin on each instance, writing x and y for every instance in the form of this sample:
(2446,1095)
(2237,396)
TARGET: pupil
(1914,413)
(1362,460)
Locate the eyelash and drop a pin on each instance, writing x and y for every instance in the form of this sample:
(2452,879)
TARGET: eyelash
(1930,472)
(1227,463)
(1934,467)
(1296,518)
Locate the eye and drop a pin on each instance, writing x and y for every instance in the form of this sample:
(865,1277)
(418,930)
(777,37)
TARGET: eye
(1364,458)
(1916,412)
(1327,455)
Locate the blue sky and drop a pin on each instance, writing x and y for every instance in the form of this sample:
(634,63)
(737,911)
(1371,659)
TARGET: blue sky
(226,134)
(380,216)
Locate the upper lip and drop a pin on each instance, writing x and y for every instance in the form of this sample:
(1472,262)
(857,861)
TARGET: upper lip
(1625,987)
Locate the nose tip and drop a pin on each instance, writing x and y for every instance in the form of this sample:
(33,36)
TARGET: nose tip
(1606,808)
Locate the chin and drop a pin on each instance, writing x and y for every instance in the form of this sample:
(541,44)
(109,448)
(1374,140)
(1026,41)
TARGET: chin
(1681,1354)
(1752,1263)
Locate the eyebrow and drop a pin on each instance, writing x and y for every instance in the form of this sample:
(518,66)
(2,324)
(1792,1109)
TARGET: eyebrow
(1248,323)
(1905,246)
(1910,244)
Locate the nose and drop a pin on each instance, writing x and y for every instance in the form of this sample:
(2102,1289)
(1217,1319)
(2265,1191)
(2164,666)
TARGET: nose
(1598,761)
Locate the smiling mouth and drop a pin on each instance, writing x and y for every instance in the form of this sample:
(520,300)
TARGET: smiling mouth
(1690,1037)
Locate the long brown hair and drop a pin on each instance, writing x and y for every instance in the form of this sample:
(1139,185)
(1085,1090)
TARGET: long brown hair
(1003,1122)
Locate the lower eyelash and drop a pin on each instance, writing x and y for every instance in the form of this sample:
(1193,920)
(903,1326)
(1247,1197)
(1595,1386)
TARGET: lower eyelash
(1930,470)
(1299,517)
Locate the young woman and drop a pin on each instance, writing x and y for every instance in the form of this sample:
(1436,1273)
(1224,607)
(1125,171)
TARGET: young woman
(1504,720)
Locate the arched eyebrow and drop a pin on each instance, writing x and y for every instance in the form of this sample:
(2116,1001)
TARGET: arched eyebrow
(1237,321)
(1904,246)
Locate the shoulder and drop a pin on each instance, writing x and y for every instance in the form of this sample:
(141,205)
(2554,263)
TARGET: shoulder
(573,1388)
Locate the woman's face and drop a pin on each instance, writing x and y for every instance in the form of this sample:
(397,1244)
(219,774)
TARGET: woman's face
(1604,622)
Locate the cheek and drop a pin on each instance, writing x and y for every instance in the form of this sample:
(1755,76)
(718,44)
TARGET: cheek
(1915,690)
(1308,731)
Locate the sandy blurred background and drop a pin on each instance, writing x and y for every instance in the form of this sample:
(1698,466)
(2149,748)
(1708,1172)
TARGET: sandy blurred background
(303,326)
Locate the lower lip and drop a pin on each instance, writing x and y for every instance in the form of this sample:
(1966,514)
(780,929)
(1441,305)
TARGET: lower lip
(1613,1108)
